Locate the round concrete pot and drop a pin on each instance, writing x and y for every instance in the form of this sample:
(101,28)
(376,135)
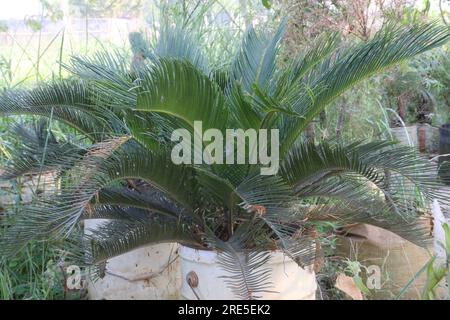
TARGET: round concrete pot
(148,273)
(202,277)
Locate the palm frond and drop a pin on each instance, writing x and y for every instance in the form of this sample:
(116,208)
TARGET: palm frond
(247,277)
(255,61)
(120,236)
(298,68)
(149,199)
(110,78)
(178,89)
(37,150)
(56,215)
(177,43)
(242,113)
(369,160)
(68,100)
(116,212)
(376,180)
(139,46)
(416,230)
(388,47)
(277,202)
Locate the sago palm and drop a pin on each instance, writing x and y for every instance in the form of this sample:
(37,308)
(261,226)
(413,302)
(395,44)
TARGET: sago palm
(120,168)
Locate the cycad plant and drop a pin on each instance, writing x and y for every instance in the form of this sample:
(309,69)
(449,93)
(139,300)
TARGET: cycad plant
(119,167)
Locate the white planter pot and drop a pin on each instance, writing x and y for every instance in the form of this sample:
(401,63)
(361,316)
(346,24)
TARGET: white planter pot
(406,135)
(291,282)
(142,274)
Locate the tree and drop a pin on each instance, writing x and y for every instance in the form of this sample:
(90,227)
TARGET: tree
(126,174)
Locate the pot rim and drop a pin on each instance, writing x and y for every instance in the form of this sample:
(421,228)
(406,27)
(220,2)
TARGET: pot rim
(210,256)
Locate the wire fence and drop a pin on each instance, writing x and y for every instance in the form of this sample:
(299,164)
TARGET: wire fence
(114,30)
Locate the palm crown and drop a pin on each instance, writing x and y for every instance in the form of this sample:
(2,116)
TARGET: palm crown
(121,168)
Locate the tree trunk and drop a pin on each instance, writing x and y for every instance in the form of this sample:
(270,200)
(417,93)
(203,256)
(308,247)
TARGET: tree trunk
(341,120)
(401,107)
(310,132)
(323,119)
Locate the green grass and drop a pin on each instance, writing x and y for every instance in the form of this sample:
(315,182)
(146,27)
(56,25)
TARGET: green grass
(34,274)
(25,61)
